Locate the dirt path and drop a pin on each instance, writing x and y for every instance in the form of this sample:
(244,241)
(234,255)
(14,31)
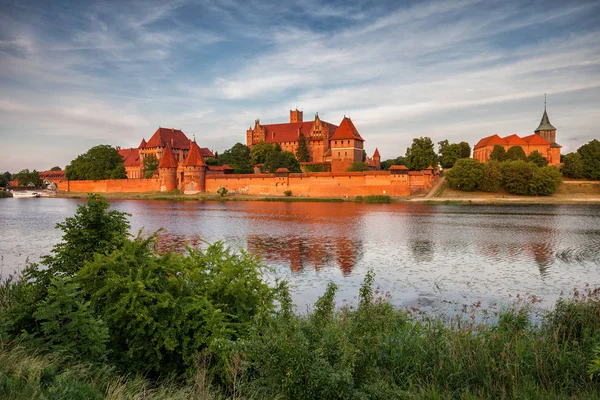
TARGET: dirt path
(435,188)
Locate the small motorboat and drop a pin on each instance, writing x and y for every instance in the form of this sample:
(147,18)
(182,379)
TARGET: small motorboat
(25,194)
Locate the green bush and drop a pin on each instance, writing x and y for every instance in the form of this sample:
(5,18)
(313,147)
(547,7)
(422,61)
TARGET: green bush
(516,153)
(573,166)
(288,193)
(222,191)
(358,166)
(492,177)
(537,158)
(516,176)
(466,174)
(359,199)
(590,156)
(545,181)
(377,198)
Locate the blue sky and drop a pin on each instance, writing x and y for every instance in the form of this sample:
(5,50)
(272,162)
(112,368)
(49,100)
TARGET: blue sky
(74,74)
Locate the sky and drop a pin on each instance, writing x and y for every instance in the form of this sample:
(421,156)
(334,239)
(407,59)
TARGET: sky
(75,74)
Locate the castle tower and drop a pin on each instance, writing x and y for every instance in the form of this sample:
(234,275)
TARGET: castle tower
(167,171)
(194,171)
(346,146)
(545,129)
(377,159)
(295,116)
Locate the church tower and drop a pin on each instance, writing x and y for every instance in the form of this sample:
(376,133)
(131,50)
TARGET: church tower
(545,129)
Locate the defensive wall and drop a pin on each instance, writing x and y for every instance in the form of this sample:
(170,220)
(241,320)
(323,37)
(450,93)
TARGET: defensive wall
(313,184)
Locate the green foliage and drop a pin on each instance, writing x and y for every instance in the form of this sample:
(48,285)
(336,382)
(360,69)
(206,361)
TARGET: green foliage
(364,156)
(27,178)
(492,177)
(283,159)
(466,174)
(238,158)
(590,155)
(99,162)
(358,166)
(545,181)
(212,161)
(288,193)
(5,178)
(498,153)
(421,154)
(516,176)
(449,153)
(537,158)
(573,166)
(222,191)
(302,154)
(312,168)
(385,165)
(516,153)
(376,198)
(261,151)
(56,168)
(150,165)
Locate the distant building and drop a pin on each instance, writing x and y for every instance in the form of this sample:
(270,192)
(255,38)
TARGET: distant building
(543,140)
(334,147)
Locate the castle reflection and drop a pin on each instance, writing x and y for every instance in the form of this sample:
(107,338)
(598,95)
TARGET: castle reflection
(305,252)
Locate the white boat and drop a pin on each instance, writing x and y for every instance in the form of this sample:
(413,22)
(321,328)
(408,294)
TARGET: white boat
(25,195)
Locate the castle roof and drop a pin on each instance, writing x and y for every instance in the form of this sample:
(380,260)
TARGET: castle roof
(288,132)
(142,144)
(545,124)
(514,140)
(376,154)
(535,139)
(131,157)
(169,136)
(194,157)
(49,175)
(168,159)
(490,141)
(346,130)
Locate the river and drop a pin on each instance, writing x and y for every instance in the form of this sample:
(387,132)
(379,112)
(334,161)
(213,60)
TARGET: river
(436,257)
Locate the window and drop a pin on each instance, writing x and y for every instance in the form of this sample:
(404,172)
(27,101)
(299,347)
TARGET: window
(348,142)
(345,153)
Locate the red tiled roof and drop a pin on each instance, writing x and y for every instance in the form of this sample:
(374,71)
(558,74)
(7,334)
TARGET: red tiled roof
(288,132)
(400,167)
(194,158)
(220,168)
(168,159)
(535,139)
(490,141)
(53,175)
(376,154)
(282,170)
(346,130)
(514,140)
(131,157)
(206,153)
(142,144)
(175,138)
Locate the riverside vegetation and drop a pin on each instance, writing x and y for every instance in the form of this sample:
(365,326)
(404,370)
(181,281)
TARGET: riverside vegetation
(106,316)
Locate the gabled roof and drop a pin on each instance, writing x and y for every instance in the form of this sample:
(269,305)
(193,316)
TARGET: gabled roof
(206,153)
(131,157)
(194,157)
(169,136)
(168,159)
(142,144)
(346,130)
(399,167)
(535,139)
(545,124)
(376,154)
(288,132)
(490,141)
(514,140)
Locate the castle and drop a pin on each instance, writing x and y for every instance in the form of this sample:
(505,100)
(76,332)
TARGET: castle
(333,147)
(543,140)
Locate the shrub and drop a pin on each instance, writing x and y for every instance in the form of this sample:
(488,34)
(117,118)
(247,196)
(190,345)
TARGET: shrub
(498,153)
(358,166)
(516,176)
(492,177)
(537,158)
(222,191)
(545,181)
(466,174)
(573,166)
(358,199)
(590,155)
(378,198)
(288,193)
(516,153)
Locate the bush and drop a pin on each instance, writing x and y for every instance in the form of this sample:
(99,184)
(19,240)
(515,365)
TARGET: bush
(466,174)
(573,166)
(516,176)
(358,166)
(492,177)
(590,156)
(377,198)
(545,181)
(537,158)
(222,191)
(516,153)
(288,193)
(359,199)
(498,153)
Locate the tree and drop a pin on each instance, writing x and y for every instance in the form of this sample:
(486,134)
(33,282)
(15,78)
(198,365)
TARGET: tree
(465,150)
(466,174)
(545,181)
(515,153)
(27,178)
(590,155)
(516,176)
(259,152)
(282,159)
(421,154)
(57,168)
(498,153)
(537,158)
(238,158)
(302,153)
(358,166)
(385,165)
(573,166)
(99,162)
(5,178)
(492,177)
(364,155)
(449,153)
(150,165)
(212,161)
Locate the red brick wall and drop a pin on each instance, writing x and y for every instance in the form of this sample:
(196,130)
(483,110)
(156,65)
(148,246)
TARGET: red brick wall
(111,186)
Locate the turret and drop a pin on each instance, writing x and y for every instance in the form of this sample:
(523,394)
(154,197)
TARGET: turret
(295,116)
(194,171)
(545,129)
(377,159)
(167,171)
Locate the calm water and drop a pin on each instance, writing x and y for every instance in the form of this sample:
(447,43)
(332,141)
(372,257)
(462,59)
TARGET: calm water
(436,256)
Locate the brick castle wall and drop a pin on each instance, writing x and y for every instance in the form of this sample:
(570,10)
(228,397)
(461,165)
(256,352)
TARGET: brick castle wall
(111,186)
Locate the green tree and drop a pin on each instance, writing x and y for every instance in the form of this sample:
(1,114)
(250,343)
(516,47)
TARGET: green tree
(449,153)
(364,155)
(99,162)
(573,166)
(56,168)
(302,153)
(212,161)
(421,154)
(466,174)
(498,153)
(515,153)
(282,159)
(5,178)
(590,155)
(238,158)
(537,158)
(516,176)
(492,177)
(27,178)
(545,181)
(385,165)
(358,166)
(261,151)
(465,150)
(150,165)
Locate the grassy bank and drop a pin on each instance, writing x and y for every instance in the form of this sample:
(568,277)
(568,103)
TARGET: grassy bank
(5,195)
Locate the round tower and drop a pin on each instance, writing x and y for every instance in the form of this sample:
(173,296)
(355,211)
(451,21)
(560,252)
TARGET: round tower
(167,171)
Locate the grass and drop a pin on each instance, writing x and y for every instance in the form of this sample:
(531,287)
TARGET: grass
(5,194)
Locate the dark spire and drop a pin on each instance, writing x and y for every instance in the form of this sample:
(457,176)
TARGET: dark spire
(545,124)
